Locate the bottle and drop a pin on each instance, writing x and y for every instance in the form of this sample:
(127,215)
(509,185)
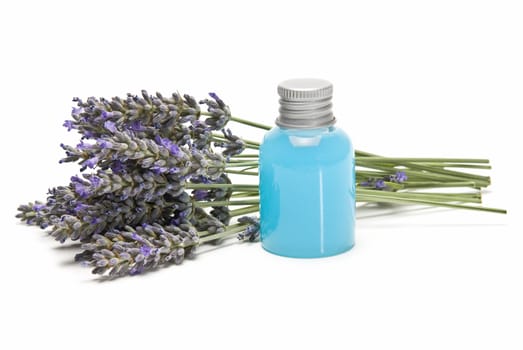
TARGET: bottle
(307,176)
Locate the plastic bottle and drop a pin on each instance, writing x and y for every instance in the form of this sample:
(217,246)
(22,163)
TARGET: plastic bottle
(307,177)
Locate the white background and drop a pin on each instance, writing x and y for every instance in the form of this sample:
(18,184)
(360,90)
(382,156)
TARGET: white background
(411,78)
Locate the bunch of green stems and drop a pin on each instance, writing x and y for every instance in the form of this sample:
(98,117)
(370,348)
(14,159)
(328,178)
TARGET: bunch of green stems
(428,183)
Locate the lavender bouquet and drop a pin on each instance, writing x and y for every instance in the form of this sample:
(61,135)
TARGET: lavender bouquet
(156,182)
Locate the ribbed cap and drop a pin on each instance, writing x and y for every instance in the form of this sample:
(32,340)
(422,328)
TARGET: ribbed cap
(305,104)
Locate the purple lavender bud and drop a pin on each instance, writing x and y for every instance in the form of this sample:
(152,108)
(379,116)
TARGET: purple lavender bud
(95,220)
(82,190)
(217,99)
(76,179)
(172,147)
(118,167)
(111,126)
(107,253)
(38,206)
(80,207)
(88,134)
(200,195)
(137,237)
(145,250)
(159,170)
(104,144)
(106,115)
(95,181)
(125,256)
(251,232)
(202,179)
(380,184)
(197,124)
(77,111)
(401,177)
(136,270)
(136,126)
(82,146)
(91,162)
(69,125)
(113,261)
(102,263)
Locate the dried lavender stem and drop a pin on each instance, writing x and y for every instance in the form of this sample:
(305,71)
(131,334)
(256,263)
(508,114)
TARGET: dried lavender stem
(254,156)
(233,186)
(250,123)
(244,194)
(423,160)
(432,184)
(457,165)
(242,164)
(244,211)
(224,203)
(241,172)
(371,196)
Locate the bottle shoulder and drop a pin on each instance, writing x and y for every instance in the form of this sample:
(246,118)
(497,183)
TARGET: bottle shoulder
(306,146)
(331,136)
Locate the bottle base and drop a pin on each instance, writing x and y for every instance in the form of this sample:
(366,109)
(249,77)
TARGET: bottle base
(308,256)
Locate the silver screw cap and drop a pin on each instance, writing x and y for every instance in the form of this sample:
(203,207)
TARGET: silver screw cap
(305,104)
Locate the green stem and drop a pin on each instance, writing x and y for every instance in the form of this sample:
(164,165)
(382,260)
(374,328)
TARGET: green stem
(364,154)
(225,203)
(438,197)
(242,160)
(457,165)
(245,194)
(424,160)
(243,211)
(256,156)
(241,164)
(375,198)
(430,174)
(440,174)
(367,160)
(250,168)
(457,174)
(234,187)
(250,123)
(432,184)
(241,172)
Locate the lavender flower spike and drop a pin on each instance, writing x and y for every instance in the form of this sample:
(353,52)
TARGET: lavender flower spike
(134,250)
(69,124)
(219,113)
(232,146)
(145,115)
(252,232)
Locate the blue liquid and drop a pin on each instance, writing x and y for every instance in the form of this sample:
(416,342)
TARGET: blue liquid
(307,192)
